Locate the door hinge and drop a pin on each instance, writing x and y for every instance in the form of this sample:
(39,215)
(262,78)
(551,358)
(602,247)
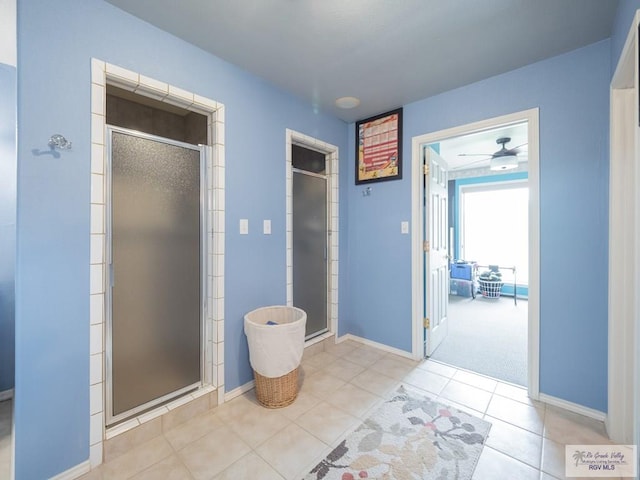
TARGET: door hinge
(425,169)
(425,246)
(427,323)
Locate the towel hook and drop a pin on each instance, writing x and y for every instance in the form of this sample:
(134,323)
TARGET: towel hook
(58,141)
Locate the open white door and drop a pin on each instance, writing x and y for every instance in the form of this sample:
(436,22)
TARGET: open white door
(435,236)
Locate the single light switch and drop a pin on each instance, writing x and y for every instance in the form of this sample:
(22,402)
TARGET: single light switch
(244,226)
(404,227)
(266,227)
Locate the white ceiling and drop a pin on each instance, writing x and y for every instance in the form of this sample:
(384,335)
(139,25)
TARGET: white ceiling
(483,143)
(386,52)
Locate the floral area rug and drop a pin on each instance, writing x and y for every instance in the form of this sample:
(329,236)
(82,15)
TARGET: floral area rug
(409,437)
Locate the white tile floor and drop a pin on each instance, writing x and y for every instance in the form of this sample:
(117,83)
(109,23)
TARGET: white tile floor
(242,440)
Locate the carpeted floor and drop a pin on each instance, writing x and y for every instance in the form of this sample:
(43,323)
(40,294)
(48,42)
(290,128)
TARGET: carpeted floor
(488,336)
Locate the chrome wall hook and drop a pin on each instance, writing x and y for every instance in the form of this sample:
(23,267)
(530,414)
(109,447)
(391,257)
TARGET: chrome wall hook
(58,141)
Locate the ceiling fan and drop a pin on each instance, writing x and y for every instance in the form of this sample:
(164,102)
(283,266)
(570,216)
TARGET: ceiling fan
(503,159)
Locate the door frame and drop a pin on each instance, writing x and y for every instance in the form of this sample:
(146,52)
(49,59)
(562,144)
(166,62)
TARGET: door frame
(103,73)
(110,418)
(331,157)
(530,116)
(623,414)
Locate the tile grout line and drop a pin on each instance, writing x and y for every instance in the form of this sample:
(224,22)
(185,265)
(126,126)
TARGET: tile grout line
(380,397)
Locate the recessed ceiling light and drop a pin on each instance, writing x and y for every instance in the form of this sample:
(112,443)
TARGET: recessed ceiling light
(347,102)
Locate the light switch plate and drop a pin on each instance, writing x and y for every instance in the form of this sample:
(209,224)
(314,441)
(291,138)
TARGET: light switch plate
(266,227)
(244,226)
(404,227)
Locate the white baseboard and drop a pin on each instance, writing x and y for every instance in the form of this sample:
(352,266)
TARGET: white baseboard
(573,407)
(377,345)
(74,472)
(6,395)
(236,392)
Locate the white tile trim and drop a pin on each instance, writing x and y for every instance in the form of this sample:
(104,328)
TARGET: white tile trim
(318,339)
(102,74)
(123,427)
(331,157)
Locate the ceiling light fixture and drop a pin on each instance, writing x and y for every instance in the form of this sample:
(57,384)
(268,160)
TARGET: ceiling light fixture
(347,102)
(504,159)
(503,162)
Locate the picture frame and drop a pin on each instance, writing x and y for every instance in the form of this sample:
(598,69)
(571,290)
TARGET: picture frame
(379,148)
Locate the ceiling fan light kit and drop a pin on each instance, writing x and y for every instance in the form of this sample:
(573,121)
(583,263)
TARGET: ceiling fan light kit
(505,162)
(503,159)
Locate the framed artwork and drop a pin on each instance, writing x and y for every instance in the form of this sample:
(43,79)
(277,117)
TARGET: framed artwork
(379,148)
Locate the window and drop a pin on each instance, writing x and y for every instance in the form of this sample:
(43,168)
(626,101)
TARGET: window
(495,226)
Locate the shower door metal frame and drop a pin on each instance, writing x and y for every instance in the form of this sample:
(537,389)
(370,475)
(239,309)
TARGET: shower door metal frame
(327,247)
(204,150)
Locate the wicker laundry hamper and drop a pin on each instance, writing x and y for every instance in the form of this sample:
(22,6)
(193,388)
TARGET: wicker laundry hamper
(277,392)
(276,341)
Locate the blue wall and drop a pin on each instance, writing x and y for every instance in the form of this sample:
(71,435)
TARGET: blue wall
(7,222)
(378,300)
(572,93)
(52,328)
(55,45)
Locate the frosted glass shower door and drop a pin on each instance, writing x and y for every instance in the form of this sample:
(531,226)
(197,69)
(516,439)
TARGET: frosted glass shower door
(310,249)
(156,243)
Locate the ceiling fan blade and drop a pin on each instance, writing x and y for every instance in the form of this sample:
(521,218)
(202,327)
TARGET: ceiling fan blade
(488,155)
(464,167)
(517,149)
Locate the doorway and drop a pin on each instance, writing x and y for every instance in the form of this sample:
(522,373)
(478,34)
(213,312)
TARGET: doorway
(155,277)
(319,167)
(529,117)
(191,107)
(623,418)
(156,193)
(310,237)
(488,236)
